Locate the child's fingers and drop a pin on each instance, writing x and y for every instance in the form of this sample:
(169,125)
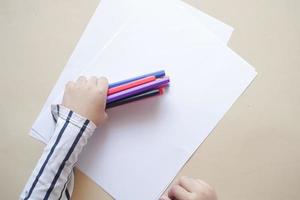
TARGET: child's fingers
(202,183)
(179,193)
(206,187)
(164,197)
(188,183)
(70,85)
(93,80)
(102,84)
(81,80)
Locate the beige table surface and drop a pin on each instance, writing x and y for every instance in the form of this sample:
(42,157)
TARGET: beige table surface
(253,153)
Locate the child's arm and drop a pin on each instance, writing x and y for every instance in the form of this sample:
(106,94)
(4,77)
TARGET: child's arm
(82,110)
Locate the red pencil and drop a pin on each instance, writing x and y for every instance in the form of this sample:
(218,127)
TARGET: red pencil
(131,85)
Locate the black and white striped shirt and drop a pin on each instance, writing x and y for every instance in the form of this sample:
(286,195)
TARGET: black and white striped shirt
(53,176)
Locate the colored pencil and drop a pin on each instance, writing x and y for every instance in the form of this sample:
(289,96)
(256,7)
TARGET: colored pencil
(158,74)
(148,94)
(130,85)
(137,90)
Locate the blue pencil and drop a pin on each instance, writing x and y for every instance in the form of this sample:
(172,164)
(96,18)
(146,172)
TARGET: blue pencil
(157,74)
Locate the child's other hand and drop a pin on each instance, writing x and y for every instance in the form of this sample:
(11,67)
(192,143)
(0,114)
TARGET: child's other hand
(190,189)
(87,97)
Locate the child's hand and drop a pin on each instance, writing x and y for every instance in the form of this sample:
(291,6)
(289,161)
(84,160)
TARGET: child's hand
(87,97)
(190,189)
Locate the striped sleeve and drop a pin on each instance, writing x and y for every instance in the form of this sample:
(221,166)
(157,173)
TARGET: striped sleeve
(53,174)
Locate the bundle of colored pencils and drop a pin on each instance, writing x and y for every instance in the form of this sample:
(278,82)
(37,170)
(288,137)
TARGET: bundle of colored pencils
(136,88)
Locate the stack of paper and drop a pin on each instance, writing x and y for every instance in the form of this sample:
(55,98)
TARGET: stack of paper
(144,144)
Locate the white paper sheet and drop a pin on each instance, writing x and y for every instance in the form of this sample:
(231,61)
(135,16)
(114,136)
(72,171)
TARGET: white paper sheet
(108,20)
(144,144)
